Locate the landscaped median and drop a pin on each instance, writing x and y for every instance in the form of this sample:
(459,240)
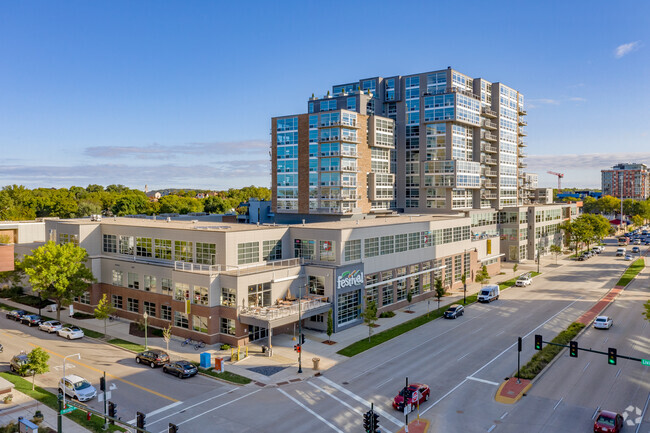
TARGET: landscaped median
(383,336)
(51,400)
(631,272)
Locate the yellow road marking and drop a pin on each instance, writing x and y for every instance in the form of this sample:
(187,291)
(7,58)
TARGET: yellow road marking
(108,374)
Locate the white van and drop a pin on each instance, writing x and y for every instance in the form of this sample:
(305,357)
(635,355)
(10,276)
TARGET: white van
(489,293)
(620,252)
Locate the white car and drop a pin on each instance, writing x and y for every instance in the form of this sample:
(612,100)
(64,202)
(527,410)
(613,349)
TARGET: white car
(77,387)
(628,257)
(603,322)
(524,280)
(50,326)
(70,332)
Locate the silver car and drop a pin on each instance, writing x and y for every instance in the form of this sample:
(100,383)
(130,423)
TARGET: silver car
(603,322)
(50,326)
(77,387)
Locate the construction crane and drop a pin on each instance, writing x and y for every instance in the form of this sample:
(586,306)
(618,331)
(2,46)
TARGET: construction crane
(559,179)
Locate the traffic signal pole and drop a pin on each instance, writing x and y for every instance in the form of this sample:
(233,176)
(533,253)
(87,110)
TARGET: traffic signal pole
(406,414)
(105,404)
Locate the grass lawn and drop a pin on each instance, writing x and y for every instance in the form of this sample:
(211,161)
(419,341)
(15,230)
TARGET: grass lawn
(543,357)
(51,400)
(227,376)
(133,347)
(631,272)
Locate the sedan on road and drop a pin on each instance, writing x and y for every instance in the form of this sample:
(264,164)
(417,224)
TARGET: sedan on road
(153,358)
(454,311)
(603,322)
(181,369)
(31,319)
(416,394)
(50,326)
(636,250)
(608,422)
(628,257)
(70,332)
(16,315)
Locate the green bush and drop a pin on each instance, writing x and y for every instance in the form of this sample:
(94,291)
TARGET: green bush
(11,292)
(386,314)
(225,347)
(542,358)
(82,316)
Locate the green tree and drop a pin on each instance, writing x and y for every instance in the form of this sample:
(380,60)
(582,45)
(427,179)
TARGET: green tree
(637,220)
(590,205)
(608,204)
(330,325)
(409,298)
(556,250)
(89,207)
(482,276)
(369,316)
(515,267)
(104,310)
(214,204)
(439,289)
(58,271)
(167,335)
(36,364)
(131,204)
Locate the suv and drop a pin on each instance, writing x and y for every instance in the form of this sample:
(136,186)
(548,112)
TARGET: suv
(31,319)
(16,314)
(154,358)
(18,361)
(454,311)
(77,388)
(524,280)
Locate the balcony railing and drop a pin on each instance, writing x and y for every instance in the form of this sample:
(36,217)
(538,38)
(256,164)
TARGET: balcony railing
(488,136)
(522,112)
(490,149)
(490,173)
(284,308)
(522,122)
(522,132)
(488,112)
(488,124)
(267,266)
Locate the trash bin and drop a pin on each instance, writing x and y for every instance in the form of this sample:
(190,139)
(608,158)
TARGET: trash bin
(316,361)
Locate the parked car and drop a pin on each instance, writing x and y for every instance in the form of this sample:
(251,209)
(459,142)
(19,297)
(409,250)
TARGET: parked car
(17,361)
(620,252)
(629,257)
(454,311)
(50,326)
(70,332)
(181,369)
(636,250)
(637,241)
(416,393)
(154,358)
(31,319)
(16,314)
(489,293)
(524,280)
(77,388)
(608,422)
(603,322)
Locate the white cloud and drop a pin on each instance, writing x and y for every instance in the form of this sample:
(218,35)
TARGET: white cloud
(577,99)
(159,151)
(625,49)
(591,161)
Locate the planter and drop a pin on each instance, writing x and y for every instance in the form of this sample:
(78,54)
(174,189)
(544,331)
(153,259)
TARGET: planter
(7,399)
(135,330)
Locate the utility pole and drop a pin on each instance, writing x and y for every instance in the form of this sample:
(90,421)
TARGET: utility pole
(59,417)
(406,414)
(105,403)
(299,329)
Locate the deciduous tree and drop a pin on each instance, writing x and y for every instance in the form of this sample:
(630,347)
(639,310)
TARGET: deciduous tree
(369,316)
(104,310)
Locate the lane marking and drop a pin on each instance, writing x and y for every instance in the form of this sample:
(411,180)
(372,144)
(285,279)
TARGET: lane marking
(188,407)
(464,355)
(595,413)
(214,408)
(583,370)
(383,429)
(157,411)
(385,414)
(643,414)
(605,340)
(504,415)
(384,383)
(329,424)
(492,428)
(496,335)
(558,403)
(107,374)
(489,382)
(618,372)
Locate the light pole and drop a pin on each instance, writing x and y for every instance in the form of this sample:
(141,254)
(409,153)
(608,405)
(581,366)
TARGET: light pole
(299,330)
(539,253)
(145,316)
(78,355)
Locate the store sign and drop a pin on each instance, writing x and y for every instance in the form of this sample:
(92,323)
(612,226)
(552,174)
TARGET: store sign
(351,278)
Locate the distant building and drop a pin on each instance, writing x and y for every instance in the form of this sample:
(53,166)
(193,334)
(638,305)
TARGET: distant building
(580,194)
(627,181)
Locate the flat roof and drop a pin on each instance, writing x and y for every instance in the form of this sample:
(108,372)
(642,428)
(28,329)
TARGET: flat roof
(379,221)
(173,224)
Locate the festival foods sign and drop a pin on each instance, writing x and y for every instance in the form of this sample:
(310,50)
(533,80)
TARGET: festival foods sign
(352,278)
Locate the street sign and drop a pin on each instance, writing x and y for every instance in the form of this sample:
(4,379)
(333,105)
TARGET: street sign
(68,410)
(645,361)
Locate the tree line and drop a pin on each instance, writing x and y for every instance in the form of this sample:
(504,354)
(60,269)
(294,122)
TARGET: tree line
(20,203)
(611,205)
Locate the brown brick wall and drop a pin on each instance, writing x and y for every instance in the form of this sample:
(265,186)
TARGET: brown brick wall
(303,163)
(6,258)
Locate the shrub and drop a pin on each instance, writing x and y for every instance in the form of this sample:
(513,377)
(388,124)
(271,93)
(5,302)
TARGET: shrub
(386,314)
(225,347)
(542,358)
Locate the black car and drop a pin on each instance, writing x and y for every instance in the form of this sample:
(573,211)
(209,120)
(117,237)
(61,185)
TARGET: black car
(454,311)
(181,369)
(154,358)
(16,315)
(31,319)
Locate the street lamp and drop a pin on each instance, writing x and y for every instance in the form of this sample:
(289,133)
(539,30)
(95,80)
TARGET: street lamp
(300,329)
(145,316)
(78,355)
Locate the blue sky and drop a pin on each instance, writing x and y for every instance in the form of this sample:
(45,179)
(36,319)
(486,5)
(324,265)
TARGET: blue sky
(180,93)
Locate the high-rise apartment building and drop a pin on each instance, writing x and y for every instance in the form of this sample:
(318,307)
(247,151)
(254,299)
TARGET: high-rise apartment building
(458,145)
(627,181)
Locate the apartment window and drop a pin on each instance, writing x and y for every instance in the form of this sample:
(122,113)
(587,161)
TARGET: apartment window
(259,295)
(126,245)
(371,247)
(116,301)
(163,249)
(166,286)
(180,320)
(327,251)
(143,247)
(448,271)
(387,295)
(348,307)
(133,282)
(200,324)
(401,243)
(227,326)
(132,305)
(118,278)
(304,248)
(149,308)
(206,253)
(150,283)
(65,238)
(83,299)
(387,245)
(352,103)
(228,297)
(272,250)
(414,241)
(248,252)
(372,295)
(318,319)
(316,285)
(166,312)
(426,282)
(181,291)
(352,250)
(110,244)
(458,267)
(401,290)
(183,251)
(200,295)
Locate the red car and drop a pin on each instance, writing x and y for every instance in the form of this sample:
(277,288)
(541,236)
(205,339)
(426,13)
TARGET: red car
(417,394)
(608,422)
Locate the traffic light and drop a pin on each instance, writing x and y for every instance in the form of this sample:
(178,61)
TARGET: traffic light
(102,383)
(367,422)
(112,409)
(538,342)
(172,428)
(611,356)
(519,344)
(375,423)
(302,338)
(141,423)
(296,347)
(573,349)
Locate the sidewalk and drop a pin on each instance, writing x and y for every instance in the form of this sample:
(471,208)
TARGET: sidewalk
(281,368)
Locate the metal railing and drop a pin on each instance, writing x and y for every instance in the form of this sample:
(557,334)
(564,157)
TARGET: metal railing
(279,311)
(267,266)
